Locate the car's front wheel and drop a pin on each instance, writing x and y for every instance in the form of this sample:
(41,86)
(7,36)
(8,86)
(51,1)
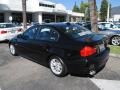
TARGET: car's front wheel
(12,50)
(57,66)
(115,40)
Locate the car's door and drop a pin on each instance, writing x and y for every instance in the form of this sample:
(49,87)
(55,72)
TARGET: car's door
(103,29)
(46,39)
(25,43)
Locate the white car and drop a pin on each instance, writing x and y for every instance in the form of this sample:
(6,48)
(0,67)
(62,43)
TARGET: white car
(108,25)
(8,31)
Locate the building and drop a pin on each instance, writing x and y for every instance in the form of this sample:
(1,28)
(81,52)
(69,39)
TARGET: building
(37,11)
(115,14)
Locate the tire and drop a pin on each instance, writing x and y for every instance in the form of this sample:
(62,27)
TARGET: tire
(115,40)
(57,66)
(12,50)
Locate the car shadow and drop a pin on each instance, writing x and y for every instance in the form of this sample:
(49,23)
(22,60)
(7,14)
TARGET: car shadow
(82,75)
(4,42)
(87,75)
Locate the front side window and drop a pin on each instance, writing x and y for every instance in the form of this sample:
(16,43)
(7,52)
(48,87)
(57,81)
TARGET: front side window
(47,34)
(30,33)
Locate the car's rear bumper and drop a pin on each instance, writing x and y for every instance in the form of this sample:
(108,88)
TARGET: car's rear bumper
(8,36)
(85,65)
(3,37)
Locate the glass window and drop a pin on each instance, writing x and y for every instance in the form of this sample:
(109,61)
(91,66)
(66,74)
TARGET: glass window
(118,25)
(30,33)
(47,34)
(9,25)
(1,17)
(107,25)
(6,25)
(76,31)
(46,5)
(115,26)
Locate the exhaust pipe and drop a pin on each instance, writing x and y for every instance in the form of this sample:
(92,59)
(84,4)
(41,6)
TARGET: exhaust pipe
(92,72)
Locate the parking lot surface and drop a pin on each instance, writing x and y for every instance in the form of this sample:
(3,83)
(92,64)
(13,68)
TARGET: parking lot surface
(18,73)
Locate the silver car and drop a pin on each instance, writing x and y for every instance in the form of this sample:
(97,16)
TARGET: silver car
(8,31)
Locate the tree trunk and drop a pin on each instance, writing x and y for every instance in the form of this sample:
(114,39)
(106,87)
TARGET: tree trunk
(24,14)
(93,15)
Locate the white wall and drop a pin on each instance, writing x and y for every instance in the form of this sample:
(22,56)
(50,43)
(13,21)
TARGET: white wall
(4,1)
(15,5)
(40,17)
(116,17)
(33,6)
(37,17)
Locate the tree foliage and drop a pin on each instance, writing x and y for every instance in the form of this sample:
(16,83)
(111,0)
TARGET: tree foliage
(75,8)
(87,14)
(83,6)
(103,10)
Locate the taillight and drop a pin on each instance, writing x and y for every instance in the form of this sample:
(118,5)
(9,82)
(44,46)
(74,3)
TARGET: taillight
(19,30)
(3,32)
(87,51)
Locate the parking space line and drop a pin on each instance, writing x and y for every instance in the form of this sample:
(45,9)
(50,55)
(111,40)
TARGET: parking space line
(106,84)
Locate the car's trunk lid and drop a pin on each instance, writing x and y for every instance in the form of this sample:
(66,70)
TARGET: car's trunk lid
(98,41)
(92,38)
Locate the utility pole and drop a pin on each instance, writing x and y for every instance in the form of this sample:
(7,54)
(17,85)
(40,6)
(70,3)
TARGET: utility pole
(24,14)
(93,15)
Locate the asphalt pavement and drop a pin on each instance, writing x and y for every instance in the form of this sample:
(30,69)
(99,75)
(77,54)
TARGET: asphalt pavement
(18,73)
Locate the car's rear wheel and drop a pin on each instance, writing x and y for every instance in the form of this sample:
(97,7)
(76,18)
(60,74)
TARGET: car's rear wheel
(12,50)
(115,40)
(57,66)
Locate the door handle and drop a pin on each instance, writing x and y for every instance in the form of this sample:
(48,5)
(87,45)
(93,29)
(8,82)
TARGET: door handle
(45,47)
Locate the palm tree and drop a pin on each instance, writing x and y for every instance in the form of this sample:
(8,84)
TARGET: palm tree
(93,15)
(24,14)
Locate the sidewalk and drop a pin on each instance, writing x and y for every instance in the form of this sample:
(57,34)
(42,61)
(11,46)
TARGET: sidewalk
(115,55)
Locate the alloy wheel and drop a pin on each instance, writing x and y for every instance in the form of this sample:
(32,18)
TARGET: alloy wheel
(115,40)
(12,49)
(56,66)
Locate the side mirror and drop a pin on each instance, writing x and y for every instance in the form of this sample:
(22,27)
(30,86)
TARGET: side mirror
(22,36)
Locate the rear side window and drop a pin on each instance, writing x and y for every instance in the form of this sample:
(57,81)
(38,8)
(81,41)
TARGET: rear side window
(47,34)
(9,25)
(6,25)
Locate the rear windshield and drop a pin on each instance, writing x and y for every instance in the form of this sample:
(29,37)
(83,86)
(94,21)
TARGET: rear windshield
(75,31)
(6,25)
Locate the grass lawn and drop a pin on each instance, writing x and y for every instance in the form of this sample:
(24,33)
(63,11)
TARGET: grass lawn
(115,49)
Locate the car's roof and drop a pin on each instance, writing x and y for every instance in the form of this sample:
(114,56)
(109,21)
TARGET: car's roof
(61,24)
(106,22)
(117,23)
(5,23)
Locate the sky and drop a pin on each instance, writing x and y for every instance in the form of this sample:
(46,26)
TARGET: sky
(69,3)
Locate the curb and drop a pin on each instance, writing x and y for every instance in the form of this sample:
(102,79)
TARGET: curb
(115,55)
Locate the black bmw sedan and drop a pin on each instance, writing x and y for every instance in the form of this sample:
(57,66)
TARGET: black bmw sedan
(63,47)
